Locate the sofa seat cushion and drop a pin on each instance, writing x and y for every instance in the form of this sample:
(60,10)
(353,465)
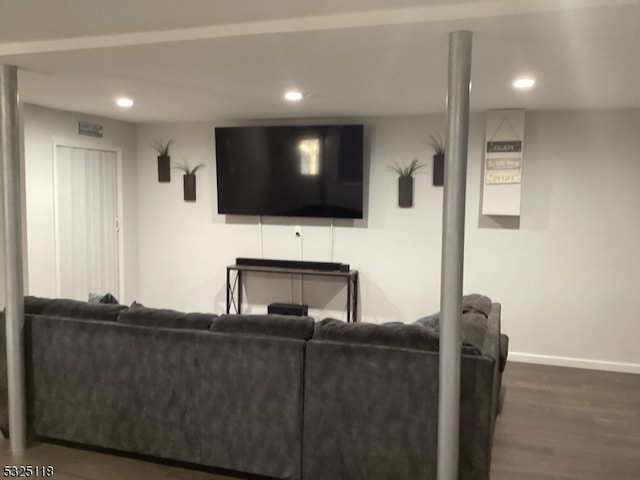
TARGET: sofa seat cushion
(60,307)
(286,326)
(165,318)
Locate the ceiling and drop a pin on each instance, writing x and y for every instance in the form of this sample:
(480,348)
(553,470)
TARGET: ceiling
(225,60)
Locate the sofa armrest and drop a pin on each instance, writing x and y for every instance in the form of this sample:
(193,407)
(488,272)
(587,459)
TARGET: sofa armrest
(504,351)
(491,344)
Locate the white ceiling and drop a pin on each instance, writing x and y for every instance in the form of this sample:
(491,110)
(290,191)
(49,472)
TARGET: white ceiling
(233,59)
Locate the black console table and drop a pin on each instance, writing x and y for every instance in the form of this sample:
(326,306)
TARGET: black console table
(234,286)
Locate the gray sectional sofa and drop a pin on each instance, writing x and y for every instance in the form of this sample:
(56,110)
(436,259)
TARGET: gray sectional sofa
(283,397)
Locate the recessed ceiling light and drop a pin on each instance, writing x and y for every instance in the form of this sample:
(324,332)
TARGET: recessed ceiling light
(293,96)
(124,102)
(524,83)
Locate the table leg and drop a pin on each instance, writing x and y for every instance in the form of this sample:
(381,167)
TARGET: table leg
(355,298)
(239,291)
(349,293)
(228,291)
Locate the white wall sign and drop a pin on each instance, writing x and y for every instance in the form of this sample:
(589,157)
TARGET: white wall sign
(503,158)
(503,162)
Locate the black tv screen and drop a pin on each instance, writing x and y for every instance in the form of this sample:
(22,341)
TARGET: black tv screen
(292,171)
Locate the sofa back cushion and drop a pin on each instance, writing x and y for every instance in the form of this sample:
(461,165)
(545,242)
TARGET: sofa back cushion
(35,305)
(474,328)
(286,326)
(398,335)
(59,307)
(476,303)
(165,318)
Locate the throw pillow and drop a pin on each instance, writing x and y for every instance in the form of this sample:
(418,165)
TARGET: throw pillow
(94,297)
(104,298)
(109,299)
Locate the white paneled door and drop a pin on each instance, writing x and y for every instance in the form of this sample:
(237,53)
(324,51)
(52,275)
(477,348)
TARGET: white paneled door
(86,222)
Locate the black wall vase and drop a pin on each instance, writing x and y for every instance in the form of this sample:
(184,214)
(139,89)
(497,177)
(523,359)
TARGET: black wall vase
(438,170)
(164,168)
(189,181)
(405,192)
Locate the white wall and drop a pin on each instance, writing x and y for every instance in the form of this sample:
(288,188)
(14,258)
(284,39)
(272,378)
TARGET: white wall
(185,248)
(41,127)
(567,277)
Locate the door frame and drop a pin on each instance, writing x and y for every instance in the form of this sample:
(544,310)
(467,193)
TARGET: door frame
(90,145)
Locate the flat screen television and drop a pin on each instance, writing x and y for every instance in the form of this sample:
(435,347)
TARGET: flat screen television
(291,171)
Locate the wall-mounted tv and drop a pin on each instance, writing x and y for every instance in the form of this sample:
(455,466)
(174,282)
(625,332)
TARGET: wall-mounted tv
(291,171)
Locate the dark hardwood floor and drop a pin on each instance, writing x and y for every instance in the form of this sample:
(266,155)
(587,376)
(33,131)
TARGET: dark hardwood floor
(557,423)
(568,424)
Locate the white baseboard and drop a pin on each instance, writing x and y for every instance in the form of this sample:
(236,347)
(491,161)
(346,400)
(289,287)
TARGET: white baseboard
(574,362)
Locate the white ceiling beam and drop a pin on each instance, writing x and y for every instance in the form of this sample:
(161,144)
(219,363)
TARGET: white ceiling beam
(404,16)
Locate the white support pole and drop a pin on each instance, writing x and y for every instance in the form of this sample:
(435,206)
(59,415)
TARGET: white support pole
(455,181)
(12,221)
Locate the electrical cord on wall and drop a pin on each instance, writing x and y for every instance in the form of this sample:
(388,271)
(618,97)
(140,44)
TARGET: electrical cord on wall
(260,234)
(331,242)
(299,235)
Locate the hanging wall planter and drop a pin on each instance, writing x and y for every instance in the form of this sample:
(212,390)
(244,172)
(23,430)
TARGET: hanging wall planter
(189,181)
(405,182)
(164,168)
(164,160)
(405,192)
(438,159)
(438,170)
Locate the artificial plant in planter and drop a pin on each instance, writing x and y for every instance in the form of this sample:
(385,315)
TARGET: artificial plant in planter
(164,159)
(438,159)
(405,181)
(189,180)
